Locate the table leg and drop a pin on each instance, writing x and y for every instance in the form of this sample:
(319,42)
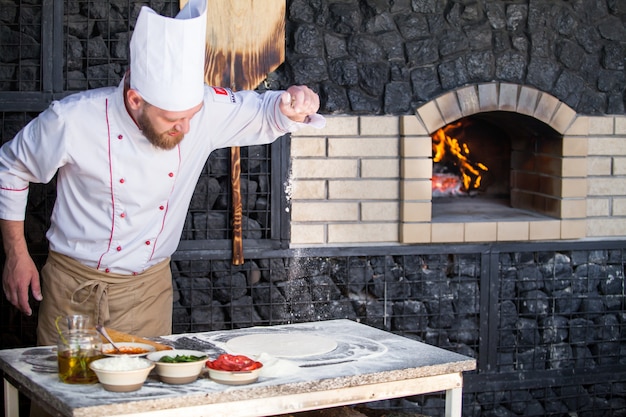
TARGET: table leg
(11,400)
(454,399)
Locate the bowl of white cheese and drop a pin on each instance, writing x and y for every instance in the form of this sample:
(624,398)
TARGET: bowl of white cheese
(122,373)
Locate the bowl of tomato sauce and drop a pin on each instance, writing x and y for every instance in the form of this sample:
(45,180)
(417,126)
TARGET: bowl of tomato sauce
(127,349)
(234,369)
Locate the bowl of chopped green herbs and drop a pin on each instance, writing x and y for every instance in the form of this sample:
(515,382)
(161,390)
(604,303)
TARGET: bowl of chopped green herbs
(178,366)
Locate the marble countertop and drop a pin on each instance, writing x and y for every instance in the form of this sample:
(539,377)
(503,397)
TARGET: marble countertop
(364,355)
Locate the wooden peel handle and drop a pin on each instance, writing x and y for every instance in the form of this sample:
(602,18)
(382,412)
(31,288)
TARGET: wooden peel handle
(245,41)
(235,178)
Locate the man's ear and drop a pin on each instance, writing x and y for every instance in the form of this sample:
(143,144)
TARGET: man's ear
(133,99)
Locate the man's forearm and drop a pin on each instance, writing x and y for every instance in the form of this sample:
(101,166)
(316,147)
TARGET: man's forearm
(13,237)
(19,271)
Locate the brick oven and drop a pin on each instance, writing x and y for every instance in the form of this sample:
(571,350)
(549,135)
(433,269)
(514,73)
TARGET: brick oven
(370,179)
(546,166)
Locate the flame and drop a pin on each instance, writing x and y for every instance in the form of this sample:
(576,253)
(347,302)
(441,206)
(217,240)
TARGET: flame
(458,153)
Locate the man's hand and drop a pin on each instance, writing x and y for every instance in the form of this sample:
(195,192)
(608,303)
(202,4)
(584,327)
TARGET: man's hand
(299,102)
(20,271)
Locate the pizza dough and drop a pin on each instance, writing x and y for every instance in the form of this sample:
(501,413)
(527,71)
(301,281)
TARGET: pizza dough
(281,345)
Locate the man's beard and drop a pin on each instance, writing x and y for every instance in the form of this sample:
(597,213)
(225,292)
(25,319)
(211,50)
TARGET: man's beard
(160,140)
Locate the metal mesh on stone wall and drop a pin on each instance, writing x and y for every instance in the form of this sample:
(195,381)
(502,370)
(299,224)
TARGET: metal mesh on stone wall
(432,298)
(96,39)
(20,46)
(210,212)
(561,311)
(548,328)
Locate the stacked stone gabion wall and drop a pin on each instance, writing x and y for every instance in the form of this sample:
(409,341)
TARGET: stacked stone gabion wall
(376,56)
(95,43)
(372,56)
(548,327)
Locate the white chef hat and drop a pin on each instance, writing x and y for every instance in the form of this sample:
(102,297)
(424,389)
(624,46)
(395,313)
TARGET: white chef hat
(167,57)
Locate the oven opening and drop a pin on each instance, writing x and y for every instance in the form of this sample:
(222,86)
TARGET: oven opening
(496,166)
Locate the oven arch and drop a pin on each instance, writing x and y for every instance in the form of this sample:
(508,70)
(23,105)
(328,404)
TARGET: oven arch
(567,218)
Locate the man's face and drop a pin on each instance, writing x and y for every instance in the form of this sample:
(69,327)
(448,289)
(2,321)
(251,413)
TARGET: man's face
(165,129)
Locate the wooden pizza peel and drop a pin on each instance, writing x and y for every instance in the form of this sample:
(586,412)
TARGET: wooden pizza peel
(245,41)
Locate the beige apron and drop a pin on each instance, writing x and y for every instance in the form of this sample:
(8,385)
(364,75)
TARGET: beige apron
(137,304)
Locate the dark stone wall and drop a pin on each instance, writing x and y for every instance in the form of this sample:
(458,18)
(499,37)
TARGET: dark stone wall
(388,57)
(369,56)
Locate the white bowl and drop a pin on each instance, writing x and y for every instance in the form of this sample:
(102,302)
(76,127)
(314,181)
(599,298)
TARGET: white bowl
(234,377)
(122,373)
(127,349)
(178,372)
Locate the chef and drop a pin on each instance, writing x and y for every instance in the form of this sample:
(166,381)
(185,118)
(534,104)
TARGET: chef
(127,159)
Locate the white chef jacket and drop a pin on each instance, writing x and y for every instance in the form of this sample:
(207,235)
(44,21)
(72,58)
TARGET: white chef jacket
(121,202)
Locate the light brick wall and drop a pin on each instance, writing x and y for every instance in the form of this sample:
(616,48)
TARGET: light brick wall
(606,177)
(366,179)
(345,186)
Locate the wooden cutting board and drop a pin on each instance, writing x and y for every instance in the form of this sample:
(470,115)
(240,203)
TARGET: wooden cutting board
(245,41)
(118,336)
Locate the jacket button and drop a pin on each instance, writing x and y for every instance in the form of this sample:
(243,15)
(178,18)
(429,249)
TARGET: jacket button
(122,180)
(119,248)
(161,207)
(171,174)
(147,242)
(120,136)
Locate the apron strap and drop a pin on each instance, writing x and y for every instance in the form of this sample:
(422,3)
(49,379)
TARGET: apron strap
(101,308)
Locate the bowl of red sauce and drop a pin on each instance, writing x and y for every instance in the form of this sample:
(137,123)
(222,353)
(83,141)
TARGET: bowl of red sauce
(127,349)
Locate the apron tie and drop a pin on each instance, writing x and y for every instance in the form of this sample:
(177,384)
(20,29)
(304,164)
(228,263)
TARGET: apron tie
(101,308)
